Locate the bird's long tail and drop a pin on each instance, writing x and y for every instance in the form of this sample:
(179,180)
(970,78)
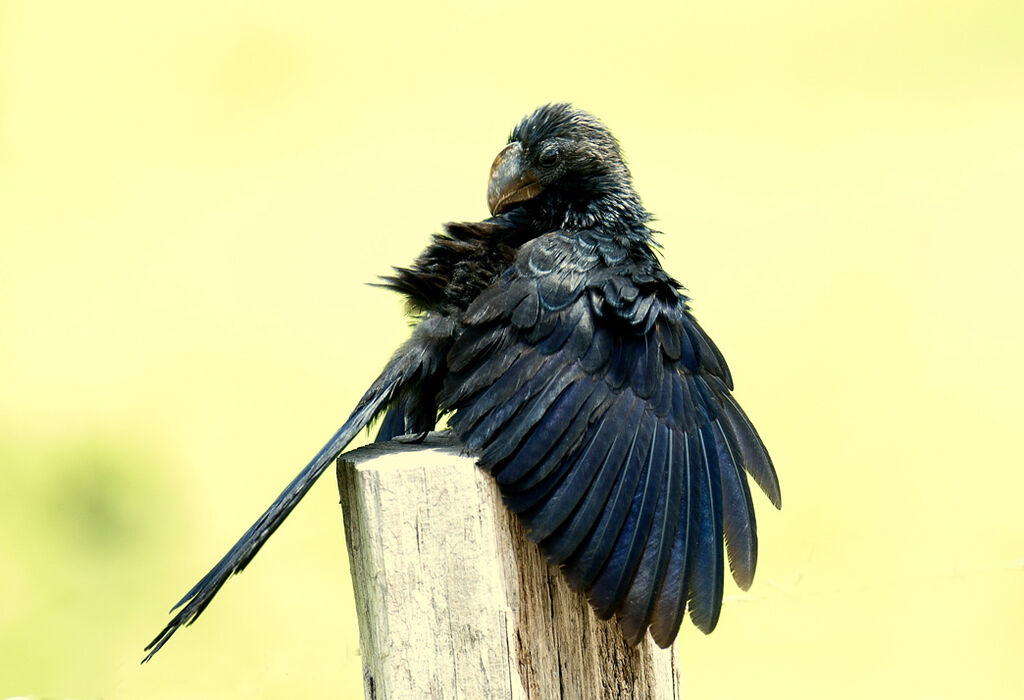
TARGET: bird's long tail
(414,364)
(196,600)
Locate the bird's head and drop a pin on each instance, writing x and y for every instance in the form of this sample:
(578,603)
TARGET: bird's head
(565,169)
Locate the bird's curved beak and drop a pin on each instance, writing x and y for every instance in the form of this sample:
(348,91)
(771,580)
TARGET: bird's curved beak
(511,181)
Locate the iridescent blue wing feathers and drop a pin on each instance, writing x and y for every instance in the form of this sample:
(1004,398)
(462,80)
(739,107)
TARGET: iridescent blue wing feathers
(604,412)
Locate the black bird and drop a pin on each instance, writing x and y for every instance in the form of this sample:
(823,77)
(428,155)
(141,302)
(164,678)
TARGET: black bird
(576,374)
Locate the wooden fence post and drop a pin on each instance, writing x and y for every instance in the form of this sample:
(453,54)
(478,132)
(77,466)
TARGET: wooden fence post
(455,602)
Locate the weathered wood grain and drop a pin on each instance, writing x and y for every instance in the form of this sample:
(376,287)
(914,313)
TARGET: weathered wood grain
(455,602)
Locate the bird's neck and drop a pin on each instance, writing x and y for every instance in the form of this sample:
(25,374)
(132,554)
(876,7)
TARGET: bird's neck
(617,213)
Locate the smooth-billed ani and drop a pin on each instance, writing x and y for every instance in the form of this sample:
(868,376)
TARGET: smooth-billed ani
(575,373)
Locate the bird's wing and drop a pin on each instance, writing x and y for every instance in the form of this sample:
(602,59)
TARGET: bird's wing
(604,412)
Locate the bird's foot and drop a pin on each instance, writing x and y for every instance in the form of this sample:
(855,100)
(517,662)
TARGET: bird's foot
(412,438)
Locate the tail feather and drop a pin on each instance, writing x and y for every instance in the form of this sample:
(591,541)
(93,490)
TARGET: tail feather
(196,600)
(417,360)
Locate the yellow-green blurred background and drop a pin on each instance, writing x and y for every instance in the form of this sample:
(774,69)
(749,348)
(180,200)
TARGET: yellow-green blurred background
(193,196)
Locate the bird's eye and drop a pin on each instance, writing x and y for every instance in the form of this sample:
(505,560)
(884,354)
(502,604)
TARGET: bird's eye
(548,157)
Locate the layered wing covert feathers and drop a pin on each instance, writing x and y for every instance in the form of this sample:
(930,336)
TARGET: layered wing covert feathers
(604,412)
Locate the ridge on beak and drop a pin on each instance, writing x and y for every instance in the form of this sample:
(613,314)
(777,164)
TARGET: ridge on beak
(511,181)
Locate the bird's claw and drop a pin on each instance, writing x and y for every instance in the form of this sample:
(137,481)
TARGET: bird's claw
(412,438)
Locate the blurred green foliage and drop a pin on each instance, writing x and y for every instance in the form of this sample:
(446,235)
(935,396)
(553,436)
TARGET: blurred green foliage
(85,527)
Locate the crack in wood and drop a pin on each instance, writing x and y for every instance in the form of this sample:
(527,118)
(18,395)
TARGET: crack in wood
(452,597)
